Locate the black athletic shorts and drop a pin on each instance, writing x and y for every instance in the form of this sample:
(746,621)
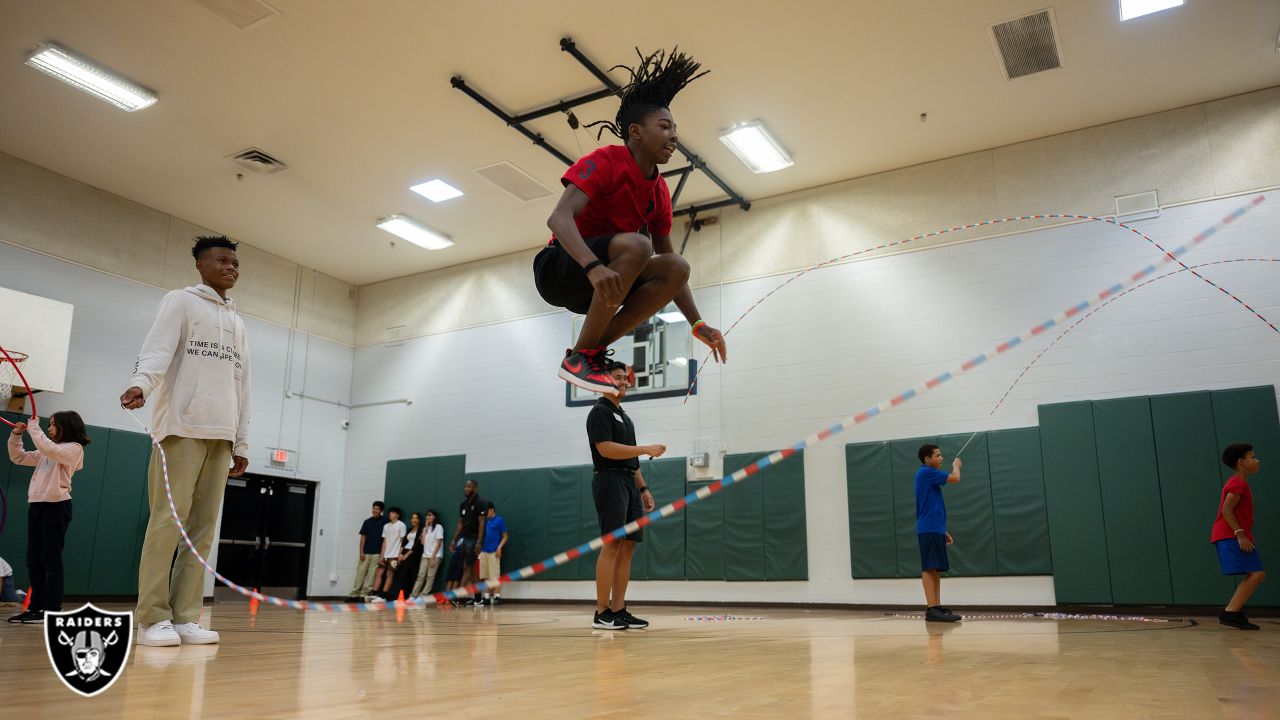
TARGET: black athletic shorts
(561,280)
(458,561)
(617,500)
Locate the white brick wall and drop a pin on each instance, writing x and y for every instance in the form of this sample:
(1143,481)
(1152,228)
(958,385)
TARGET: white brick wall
(832,344)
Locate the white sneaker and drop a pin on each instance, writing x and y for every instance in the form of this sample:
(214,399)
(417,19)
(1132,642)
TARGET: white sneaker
(159,634)
(192,634)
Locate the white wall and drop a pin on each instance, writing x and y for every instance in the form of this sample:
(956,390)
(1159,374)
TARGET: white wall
(837,342)
(1189,154)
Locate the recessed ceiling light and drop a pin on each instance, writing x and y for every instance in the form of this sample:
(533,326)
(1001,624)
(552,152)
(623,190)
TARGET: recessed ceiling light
(415,232)
(1130,9)
(671,317)
(436,190)
(756,148)
(84,74)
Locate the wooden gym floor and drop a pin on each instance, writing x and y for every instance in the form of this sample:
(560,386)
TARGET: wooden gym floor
(544,661)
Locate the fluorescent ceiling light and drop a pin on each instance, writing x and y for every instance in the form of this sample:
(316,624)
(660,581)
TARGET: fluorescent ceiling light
(1130,9)
(756,148)
(437,190)
(671,317)
(415,232)
(84,74)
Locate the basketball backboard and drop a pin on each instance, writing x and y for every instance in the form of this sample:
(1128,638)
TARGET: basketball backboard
(41,328)
(660,350)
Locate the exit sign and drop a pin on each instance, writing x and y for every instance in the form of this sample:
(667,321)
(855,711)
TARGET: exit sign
(280,456)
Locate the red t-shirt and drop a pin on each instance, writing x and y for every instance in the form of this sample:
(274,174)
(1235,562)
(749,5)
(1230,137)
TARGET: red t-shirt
(621,198)
(1243,511)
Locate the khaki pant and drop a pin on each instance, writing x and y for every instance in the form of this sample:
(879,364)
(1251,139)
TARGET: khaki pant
(364,574)
(490,567)
(198,477)
(426,575)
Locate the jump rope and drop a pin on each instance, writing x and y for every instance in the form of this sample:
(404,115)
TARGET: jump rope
(1096,301)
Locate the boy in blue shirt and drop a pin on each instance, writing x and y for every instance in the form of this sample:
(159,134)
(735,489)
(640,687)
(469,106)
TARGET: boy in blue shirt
(495,537)
(931,528)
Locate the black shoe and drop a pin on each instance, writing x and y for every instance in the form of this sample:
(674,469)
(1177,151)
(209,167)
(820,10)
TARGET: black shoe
(30,617)
(1236,620)
(938,614)
(20,617)
(948,612)
(585,368)
(608,620)
(479,602)
(631,621)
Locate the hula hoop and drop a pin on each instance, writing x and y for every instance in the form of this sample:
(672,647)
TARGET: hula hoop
(30,396)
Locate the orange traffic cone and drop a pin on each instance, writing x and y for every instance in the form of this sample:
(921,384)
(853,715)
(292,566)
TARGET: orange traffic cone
(253,605)
(400,607)
(26,601)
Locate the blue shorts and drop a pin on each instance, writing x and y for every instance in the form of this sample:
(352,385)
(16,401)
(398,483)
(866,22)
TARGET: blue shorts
(933,552)
(1235,561)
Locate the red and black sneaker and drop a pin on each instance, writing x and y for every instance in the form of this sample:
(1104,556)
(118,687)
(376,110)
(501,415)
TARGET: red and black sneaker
(586,369)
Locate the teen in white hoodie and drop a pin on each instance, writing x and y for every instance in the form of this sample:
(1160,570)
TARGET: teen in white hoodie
(194,371)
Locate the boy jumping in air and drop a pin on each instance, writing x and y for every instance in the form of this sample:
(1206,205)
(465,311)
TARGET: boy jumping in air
(611,257)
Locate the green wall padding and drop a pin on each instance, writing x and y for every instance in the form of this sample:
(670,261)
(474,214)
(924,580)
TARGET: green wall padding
(588,523)
(124,500)
(873,548)
(1249,415)
(563,521)
(704,537)
(1018,503)
(1131,502)
(1073,495)
(968,503)
(665,539)
(786,542)
(744,519)
(1187,459)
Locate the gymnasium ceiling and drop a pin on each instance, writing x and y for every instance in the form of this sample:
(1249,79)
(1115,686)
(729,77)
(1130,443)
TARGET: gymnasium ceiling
(355,97)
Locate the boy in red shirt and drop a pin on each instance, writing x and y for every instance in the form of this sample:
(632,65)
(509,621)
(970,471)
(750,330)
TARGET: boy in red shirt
(1233,533)
(611,257)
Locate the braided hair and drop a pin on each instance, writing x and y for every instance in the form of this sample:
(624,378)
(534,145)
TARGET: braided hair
(654,82)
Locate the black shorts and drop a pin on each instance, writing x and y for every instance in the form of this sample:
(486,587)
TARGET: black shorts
(461,556)
(617,500)
(933,552)
(560,279)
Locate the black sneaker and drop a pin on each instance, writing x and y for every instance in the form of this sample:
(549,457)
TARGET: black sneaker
(938,614)
(954,615)
(631,621)
(479,602)
(1236,620)
(33,617)
(585,368)
(20,617)
(608,620)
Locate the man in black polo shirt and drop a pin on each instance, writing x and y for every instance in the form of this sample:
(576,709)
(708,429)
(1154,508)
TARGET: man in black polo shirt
(467,535)
(621,497)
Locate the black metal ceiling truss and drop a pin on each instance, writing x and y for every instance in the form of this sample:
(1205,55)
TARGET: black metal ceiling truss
(610,88)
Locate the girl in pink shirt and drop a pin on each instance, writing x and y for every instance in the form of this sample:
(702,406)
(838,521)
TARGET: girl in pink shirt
(58,455)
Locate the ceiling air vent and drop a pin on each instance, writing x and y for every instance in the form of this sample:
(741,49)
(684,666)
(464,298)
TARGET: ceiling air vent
(244,14)
(1027,45)
(514,181)
(257,161)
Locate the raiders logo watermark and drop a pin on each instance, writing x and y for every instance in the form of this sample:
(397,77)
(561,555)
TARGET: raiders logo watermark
(88,647)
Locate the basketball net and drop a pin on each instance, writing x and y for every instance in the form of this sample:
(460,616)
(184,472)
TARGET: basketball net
(9,377)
